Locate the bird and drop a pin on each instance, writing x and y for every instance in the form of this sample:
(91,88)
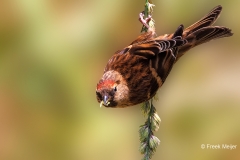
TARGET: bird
(134,74)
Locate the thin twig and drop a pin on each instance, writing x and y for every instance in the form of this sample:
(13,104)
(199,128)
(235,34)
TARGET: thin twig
(149,142)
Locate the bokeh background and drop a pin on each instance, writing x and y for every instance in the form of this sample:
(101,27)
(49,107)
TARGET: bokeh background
(53,52)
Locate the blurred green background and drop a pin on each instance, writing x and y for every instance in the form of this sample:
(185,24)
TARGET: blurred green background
(53,52)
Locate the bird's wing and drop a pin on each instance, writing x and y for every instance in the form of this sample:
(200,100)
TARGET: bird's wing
(151,48)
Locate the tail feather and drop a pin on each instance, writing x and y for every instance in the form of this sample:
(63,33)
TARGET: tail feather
(202,31)
(209,33)
(203,35)
(207,20)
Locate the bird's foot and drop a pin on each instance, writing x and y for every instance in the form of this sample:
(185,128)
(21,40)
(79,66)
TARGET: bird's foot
(145,21)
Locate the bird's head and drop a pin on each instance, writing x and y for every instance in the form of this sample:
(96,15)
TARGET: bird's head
(112,90)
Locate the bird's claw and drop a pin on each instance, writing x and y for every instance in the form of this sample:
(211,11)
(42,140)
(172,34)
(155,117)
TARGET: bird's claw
(143,20)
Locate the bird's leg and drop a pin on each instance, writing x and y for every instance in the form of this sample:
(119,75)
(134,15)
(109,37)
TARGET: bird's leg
(146,20)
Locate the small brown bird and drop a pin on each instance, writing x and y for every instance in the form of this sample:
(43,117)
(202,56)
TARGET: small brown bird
(134,74)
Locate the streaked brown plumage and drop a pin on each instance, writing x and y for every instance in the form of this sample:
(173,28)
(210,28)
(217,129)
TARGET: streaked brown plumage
(134,74)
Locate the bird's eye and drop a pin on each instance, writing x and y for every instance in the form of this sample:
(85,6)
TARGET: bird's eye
(115,88)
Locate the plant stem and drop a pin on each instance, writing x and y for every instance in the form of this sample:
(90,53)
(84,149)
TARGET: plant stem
(148,141)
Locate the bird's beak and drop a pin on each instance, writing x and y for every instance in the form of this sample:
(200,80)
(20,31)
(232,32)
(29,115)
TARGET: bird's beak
(101,104)
(105,101)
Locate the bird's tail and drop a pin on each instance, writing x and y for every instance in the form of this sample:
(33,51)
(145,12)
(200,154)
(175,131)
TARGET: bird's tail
(202,31)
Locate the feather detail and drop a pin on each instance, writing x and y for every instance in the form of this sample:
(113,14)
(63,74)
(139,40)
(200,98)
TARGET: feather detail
(134,74)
